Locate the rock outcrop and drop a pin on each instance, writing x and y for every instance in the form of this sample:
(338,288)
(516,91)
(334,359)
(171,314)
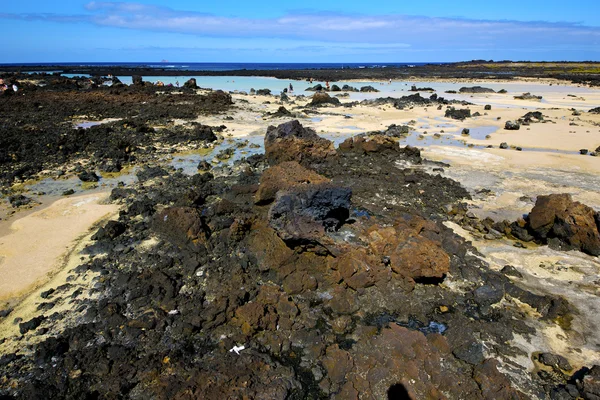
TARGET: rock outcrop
(322,98)
(557,219)
(293,142)
(285,176)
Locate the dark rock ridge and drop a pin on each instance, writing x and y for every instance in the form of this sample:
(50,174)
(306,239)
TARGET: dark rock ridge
(46,142)
(476,89)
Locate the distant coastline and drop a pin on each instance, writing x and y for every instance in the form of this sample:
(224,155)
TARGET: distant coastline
(576,72)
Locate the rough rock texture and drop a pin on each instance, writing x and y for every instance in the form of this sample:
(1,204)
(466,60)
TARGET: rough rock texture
(305,213)
(292,142)
(322,98)
(284,176)
(512,126)
(476,89)
(191,84)
(367,297)
(377,144)
(459,114)
(557,217)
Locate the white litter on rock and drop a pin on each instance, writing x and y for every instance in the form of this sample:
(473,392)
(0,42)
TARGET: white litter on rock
(237,349)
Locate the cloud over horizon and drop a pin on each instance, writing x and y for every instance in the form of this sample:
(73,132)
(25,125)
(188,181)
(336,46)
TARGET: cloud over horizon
(372,32)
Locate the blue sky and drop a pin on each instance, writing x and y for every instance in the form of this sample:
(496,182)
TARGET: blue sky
(298,31)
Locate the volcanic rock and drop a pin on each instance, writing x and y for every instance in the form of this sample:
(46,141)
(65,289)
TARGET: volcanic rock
(457,114)
(476,89)
(319,99)
(88,176)
(292,142)
(512,126)
(368,89)
(182,226)
(285,176)
(528,96)
(572,223)
(191,84)
(306,213)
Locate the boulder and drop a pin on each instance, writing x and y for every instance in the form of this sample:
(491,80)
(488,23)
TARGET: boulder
(204,133)
(458,114)
(322,98)
(293,142)
(397,130)
(504,145)
(111,230)
(528,96)
(595,110)
(591,384)
(305,213)
(512,126)
(369,144)
(285,176)
(368,89)
(487,107)
(191,84)
(317,88)
(88,176)
(572,223)
(18,200)
(335,88)
(532,116)
(204,166)
(281,112)
(263,92)
(137,80)
(348,88)
(182,226)
(284,98)
(219,98)
(476,89)
(413,249)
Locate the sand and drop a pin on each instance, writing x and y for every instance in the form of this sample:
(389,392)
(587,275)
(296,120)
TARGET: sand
(35,246)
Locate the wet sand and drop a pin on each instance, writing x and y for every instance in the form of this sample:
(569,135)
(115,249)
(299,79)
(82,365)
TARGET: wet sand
(36,246)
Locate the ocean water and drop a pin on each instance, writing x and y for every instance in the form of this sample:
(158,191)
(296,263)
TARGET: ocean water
(229,66)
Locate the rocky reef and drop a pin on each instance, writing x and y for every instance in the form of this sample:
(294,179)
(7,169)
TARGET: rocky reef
(308,272)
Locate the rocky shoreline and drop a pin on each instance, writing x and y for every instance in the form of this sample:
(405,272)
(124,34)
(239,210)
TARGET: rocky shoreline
(308,272)
(581,73)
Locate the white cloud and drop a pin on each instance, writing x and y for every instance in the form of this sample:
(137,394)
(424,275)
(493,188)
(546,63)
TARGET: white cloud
(386,31)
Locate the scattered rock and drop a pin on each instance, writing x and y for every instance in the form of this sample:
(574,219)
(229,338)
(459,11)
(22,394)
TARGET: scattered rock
(528,96)
(368,89)
(19,200)
(88,176)
(512,126)
(457,114)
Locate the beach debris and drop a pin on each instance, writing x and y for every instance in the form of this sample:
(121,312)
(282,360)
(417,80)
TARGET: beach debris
(237,349)
(512,126)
